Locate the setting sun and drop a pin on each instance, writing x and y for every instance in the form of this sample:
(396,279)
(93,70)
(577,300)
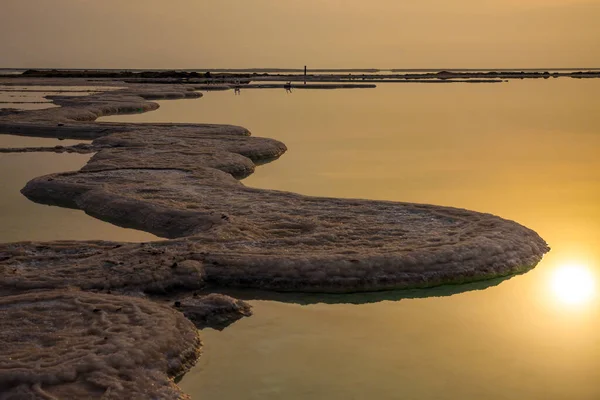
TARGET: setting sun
(573,284)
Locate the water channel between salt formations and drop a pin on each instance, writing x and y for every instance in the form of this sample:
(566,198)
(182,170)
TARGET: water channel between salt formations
(527,151)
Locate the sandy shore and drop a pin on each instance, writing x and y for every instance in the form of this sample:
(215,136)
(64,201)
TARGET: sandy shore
(180,181)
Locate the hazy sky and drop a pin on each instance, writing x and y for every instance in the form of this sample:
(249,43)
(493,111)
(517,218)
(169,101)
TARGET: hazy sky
(292,33)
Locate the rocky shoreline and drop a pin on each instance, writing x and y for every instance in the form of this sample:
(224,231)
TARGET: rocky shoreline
(103,335)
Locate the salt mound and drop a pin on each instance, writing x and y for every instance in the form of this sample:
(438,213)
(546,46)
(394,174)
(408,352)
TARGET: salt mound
(71,345)
(215,311)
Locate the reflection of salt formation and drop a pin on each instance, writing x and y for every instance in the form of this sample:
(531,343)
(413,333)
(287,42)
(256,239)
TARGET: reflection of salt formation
(179,181)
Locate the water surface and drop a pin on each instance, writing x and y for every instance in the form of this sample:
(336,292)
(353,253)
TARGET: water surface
(525,150)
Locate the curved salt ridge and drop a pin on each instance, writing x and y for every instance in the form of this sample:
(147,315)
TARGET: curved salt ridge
(69,344)
(176,181)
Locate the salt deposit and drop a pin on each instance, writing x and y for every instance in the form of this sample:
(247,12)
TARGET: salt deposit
(179,181)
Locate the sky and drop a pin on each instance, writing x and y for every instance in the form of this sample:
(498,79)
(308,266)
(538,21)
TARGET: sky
(293,33)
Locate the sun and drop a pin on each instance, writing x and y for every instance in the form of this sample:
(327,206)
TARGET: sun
(573,284)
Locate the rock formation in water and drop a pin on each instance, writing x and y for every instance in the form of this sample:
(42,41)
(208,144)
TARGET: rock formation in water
(179,181)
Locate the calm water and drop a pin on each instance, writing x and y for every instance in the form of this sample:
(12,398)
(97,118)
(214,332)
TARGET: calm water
(527,151)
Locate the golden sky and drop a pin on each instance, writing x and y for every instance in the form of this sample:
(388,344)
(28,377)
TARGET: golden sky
(292,33)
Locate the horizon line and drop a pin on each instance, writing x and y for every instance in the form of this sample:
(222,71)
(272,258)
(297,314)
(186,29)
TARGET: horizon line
(296,69)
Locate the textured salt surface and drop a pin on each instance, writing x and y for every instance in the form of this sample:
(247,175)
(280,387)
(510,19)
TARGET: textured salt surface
(71,344)
(217,311)
(179,181)
(284,241)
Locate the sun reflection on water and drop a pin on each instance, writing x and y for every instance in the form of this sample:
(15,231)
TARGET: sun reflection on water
(573,284)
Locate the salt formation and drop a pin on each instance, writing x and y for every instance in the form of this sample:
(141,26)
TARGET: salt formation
(216,311)
(179,181)
(69,344)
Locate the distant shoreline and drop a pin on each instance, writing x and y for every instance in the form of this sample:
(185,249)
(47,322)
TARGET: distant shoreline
(312,70)
(245,78)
